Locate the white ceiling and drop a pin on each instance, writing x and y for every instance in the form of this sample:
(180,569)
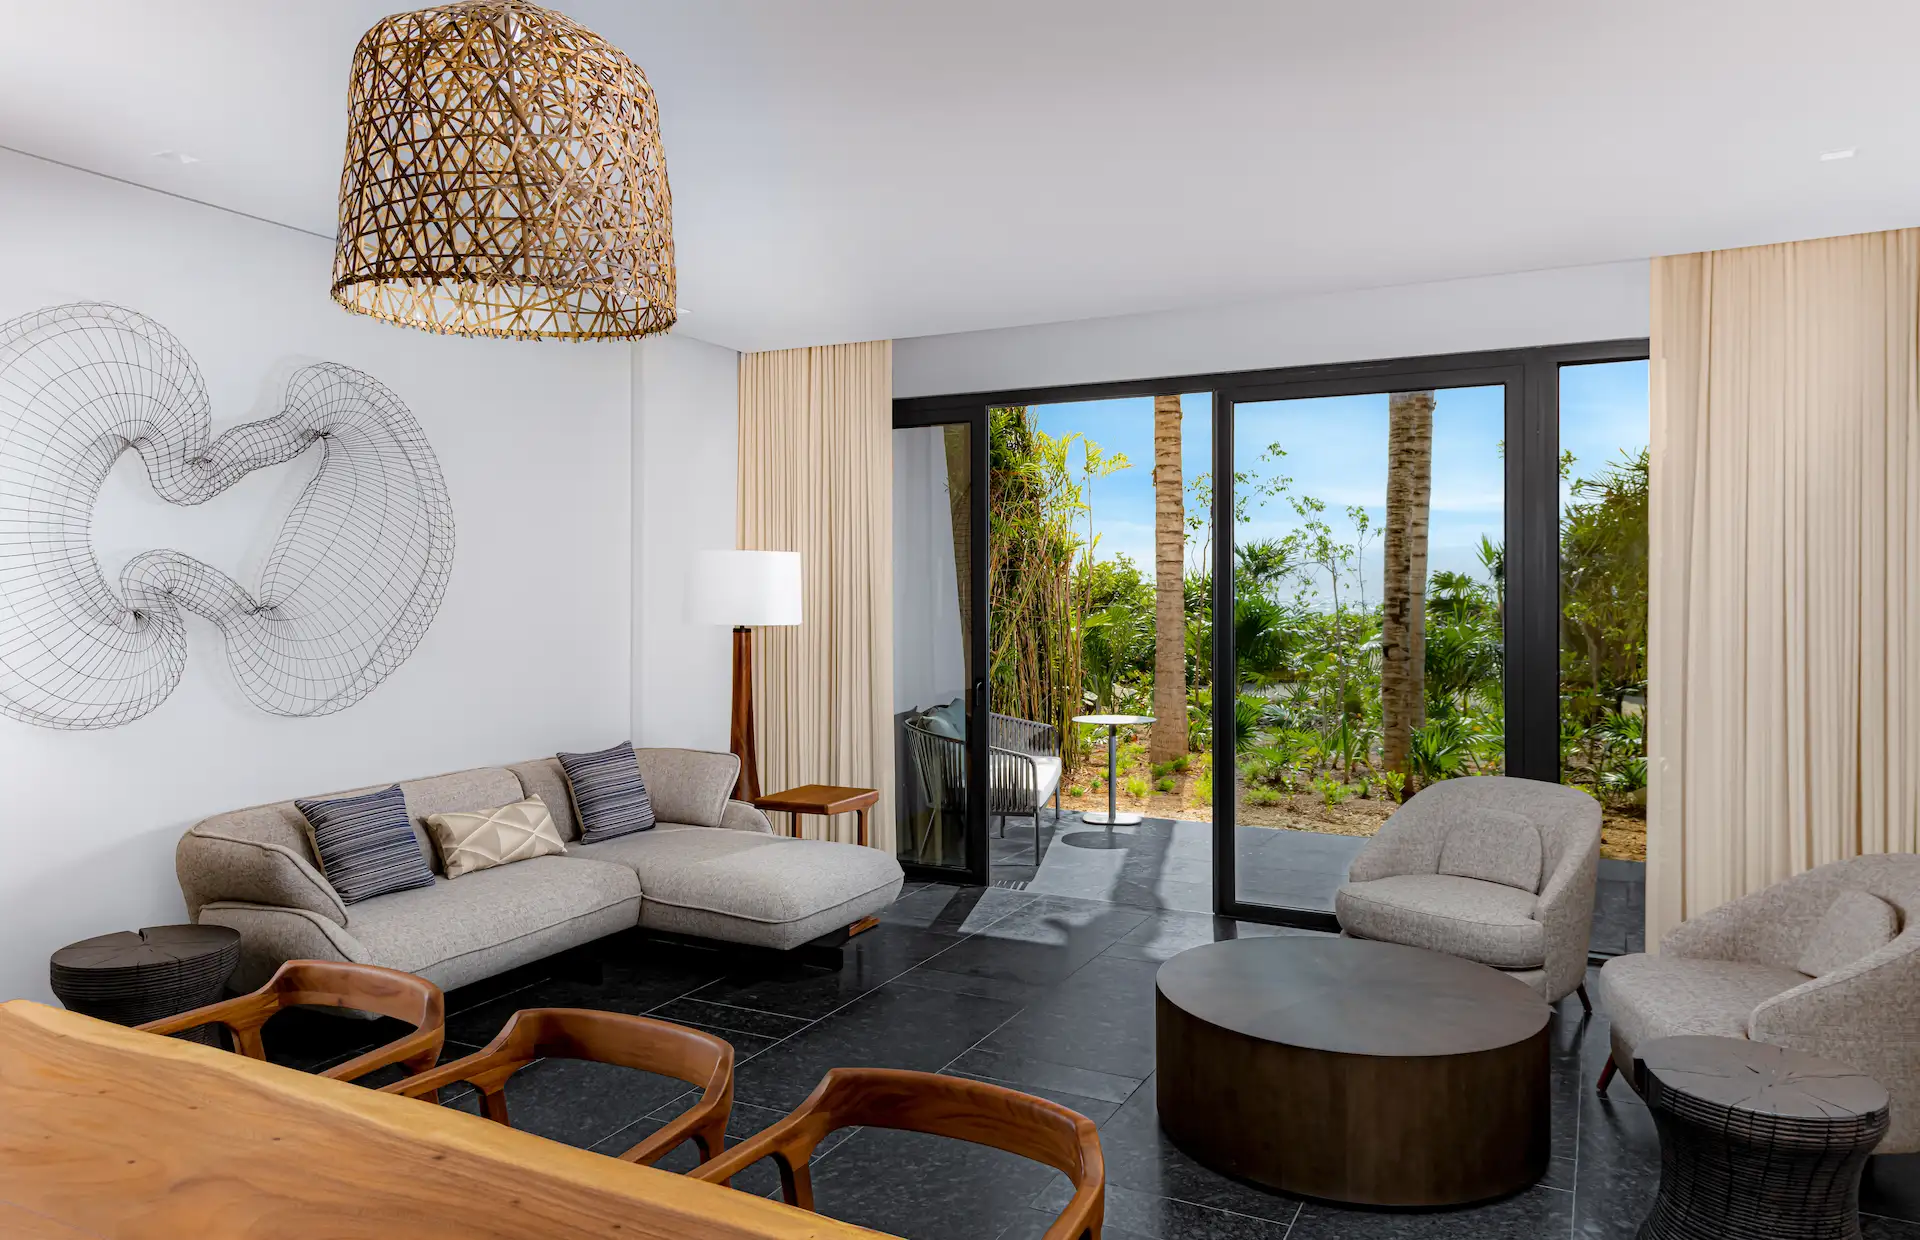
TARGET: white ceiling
(856,169)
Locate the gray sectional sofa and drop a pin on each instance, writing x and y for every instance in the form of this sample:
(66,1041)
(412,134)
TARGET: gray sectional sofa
(712,868)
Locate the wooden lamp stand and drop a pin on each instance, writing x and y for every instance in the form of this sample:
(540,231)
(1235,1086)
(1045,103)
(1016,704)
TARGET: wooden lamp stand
(748,786)
(745,590)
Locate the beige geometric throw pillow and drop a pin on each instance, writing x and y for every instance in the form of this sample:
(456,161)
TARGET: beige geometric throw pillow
(485,838)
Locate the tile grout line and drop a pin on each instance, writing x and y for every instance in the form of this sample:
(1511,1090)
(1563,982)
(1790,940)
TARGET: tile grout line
(778,1042)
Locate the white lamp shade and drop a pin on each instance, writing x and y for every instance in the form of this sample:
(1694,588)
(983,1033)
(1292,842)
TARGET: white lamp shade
(751,588)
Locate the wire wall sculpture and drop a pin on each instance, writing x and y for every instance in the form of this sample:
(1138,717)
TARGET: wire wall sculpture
(348,590)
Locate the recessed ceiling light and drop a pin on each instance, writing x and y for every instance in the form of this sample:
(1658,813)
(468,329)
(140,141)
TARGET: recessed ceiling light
(181,157)
(1829,156)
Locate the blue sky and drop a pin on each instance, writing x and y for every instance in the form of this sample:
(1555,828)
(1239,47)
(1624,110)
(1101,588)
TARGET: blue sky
(1336,451)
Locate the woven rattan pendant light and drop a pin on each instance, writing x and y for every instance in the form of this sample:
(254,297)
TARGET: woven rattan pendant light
(504,177)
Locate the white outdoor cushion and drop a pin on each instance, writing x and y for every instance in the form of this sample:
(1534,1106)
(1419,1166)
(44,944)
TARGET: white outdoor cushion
(1048,776)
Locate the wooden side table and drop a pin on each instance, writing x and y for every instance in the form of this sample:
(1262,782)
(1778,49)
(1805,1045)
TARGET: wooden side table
(825,800)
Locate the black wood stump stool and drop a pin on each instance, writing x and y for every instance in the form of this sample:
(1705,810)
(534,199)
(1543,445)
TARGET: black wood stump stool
(131,977)
(1757,1142)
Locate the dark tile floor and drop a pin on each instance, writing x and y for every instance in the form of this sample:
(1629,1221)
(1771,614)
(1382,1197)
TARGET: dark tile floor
(1046,993)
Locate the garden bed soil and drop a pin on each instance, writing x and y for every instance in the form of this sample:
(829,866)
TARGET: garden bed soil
(1623,830)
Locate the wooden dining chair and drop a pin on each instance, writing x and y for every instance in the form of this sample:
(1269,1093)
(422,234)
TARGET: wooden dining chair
(332,983)
(637,1042)
(946,1106)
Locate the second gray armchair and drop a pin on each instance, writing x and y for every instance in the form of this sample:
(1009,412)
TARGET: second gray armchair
(1827,962)
(1487,868)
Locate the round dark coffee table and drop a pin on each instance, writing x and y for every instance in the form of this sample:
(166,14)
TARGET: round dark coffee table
(1756,1140)
(1354,1071)
(134,976)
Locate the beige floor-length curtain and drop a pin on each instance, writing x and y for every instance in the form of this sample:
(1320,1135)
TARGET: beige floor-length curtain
(1784,626)
(816,476)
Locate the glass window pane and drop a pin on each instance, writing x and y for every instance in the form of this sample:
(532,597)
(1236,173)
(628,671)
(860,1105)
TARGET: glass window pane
(1603,595)
(933,612)
(1368,614)
(1100,603)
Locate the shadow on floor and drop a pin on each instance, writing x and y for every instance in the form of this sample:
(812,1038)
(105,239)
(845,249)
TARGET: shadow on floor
(1167,864)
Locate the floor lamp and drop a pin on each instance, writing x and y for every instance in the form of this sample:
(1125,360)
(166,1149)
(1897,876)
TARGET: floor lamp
(748,590)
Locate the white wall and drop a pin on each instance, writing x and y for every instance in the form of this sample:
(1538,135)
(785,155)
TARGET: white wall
(929,659)
(685,438)
(529,653)
(1494,312)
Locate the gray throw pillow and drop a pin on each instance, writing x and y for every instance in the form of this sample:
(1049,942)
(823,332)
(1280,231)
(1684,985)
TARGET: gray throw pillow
(949,720)
(1854,924)
(609,797)
(1494,847)
(366,844)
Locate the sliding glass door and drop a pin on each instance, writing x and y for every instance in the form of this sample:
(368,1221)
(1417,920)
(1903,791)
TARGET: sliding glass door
(1341,583)
(1368,601)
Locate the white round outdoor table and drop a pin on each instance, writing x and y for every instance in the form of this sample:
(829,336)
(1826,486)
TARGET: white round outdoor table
(1113,724)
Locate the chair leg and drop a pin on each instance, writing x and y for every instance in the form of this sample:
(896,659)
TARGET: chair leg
(1036,835)
(1586,1004)
(1003,826)
(1606,1076)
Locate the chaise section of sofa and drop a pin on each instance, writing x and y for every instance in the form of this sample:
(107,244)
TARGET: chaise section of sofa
(711,868)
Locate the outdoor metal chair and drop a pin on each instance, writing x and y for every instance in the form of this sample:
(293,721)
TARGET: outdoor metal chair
(1023,768)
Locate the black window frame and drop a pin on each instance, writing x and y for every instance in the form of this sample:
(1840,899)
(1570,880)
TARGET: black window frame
(1531,379)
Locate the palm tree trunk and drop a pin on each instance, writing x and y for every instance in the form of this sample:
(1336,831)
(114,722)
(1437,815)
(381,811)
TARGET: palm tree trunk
(1420,405)
(1396,601)
(1403,597)
(1168,739)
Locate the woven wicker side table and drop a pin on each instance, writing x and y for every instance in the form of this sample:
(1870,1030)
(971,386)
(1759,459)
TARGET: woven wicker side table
(134,976)
(1756,1141)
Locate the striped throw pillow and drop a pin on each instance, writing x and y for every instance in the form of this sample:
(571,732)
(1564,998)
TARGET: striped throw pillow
(609,797)
(366,844)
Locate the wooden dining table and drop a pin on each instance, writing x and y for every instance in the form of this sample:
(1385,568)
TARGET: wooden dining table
(107,1132)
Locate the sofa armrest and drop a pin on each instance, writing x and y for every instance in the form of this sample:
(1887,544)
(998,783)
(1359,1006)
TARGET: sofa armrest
(688,786)
(740,816)
(1865,1015)
(212,866)
(269,937)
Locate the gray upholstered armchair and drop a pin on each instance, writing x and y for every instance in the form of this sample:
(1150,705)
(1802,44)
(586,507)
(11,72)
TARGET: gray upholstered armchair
(1827,962)
(1487,868)
(1023,768)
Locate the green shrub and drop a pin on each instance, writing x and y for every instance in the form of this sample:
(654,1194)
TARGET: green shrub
(1263,796)
(1161,769)
(1180,765)
(1164,783)
(1203,786)
(1395,784)
(1076,790)
(1135,786)
(1332,790)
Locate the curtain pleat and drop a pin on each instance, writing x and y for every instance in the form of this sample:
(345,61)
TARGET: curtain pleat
(1784,602)
(816,476)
